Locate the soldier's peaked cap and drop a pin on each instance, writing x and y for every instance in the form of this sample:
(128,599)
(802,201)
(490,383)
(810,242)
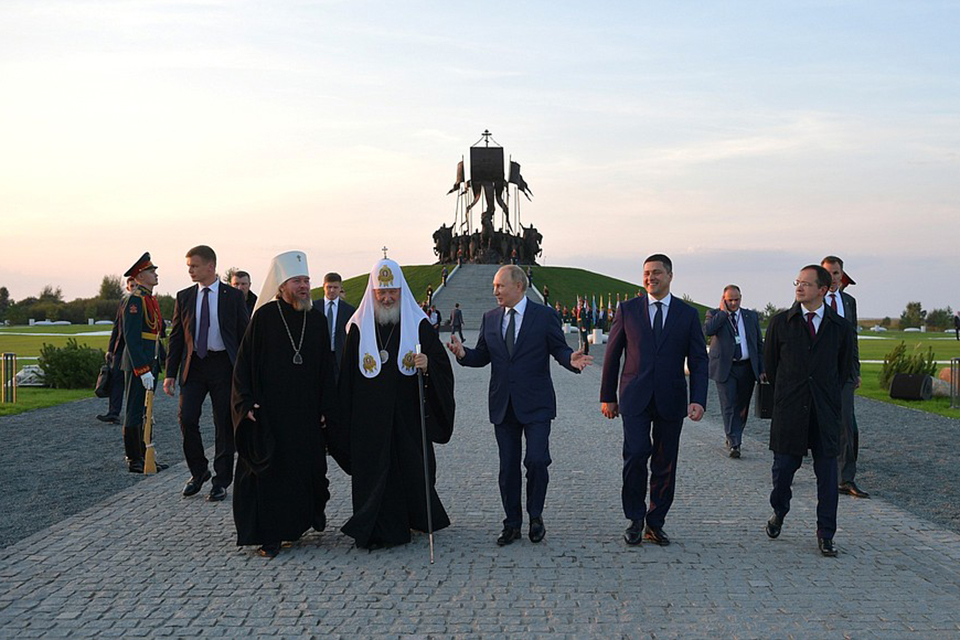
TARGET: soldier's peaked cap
(140,265)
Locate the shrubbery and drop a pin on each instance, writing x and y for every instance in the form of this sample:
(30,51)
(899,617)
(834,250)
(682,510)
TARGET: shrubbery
(70,367)
(897,361)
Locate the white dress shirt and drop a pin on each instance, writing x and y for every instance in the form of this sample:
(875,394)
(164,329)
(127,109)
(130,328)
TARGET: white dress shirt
(653,308)
(336,310)
(839,302)
(742,334)
(520,308)
(817,317)
(214,339)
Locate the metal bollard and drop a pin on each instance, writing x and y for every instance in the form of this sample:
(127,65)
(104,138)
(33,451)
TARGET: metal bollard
(955,383)
(8,378)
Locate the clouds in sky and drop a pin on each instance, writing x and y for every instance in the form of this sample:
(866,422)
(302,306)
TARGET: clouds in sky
(745,138)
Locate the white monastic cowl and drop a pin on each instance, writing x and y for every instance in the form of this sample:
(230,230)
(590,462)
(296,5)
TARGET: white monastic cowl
(283,267)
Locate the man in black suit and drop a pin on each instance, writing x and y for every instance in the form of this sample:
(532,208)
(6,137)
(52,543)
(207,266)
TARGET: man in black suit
(209,321)
(736,361)
(337,312)
(456,321)
(113,357)
(846,305)
(241,280)
(517,339)
(808,355)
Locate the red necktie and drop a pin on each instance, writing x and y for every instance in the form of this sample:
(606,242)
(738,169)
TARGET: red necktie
(813,329)
(833,301)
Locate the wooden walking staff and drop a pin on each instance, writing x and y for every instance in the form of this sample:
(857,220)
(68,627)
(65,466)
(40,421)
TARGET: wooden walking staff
(150,457)
(426,460)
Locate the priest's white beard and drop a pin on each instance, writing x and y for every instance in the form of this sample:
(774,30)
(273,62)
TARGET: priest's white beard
(386,315)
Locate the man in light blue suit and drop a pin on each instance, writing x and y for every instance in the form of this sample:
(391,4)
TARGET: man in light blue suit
(658,333)
(736,361)
(517,339)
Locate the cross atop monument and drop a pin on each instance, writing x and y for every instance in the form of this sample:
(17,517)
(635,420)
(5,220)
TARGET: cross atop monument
(384,249)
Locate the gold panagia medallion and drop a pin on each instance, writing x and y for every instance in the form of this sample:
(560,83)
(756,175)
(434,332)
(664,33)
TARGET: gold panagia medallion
(385,276)
(369,363)
(408,361)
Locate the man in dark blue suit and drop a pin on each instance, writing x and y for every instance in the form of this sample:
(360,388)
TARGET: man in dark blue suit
(517,339)
(337,311)
(736,361)
(658,332)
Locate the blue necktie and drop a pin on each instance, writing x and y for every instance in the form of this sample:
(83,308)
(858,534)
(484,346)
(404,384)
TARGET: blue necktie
(330,329)
(204,324)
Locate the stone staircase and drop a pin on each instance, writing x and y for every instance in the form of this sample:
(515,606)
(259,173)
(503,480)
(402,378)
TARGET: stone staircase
(472,286)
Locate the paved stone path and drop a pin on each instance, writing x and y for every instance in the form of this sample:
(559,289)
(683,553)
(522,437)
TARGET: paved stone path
(148,562)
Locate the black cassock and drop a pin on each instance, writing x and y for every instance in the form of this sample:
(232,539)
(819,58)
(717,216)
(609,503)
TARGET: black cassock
(281,483)
(381,422)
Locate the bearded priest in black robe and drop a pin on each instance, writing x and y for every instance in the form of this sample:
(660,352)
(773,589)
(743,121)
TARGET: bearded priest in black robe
(282,389)
(380,411)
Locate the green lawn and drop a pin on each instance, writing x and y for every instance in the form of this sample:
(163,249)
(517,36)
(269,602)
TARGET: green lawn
(870,388)
(29,346)
(874,346)
(29,398)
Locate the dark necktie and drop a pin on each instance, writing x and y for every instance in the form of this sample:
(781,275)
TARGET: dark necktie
(658,321)
(737,348)
(509,337)
(333,343)
(204,332)
(810,325)
(833,301)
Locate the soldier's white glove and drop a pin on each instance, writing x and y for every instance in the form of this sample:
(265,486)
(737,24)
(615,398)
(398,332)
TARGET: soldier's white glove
(147,380)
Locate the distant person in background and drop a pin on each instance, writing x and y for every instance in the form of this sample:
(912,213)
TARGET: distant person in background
(434,316)
(113,357)
(429,295)
(846,306)
(456,321)
(584,324)
(443,275)
(736,361)
(546,296)
(241,280)
(337,312)
(529,276)
(956,324)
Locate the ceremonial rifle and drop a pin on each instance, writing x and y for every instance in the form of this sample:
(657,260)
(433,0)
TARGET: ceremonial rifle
(426,461)
(150,457)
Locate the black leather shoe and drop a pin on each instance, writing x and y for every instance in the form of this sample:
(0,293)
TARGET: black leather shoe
(655,535)
(194,485)
(161,466)
(271,550)
(734,452)
(217,494)
(774,524)
(135,466)
(826,547)
(508,535)
(634,533)
(851,489)
(109,419)
(537,530)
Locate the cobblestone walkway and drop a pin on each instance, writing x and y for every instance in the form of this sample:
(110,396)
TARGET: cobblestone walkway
(148,562)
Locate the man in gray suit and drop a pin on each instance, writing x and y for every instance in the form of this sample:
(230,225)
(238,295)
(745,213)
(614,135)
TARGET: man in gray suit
(456,321)
(846,305)
(337,311)
(736,361)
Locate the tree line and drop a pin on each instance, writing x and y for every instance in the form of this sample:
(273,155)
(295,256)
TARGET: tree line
(50,305)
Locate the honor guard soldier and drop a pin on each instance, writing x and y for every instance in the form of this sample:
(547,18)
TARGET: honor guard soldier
(142,329)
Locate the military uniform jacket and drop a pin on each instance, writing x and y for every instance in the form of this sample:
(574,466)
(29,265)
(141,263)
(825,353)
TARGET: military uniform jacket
(142,330)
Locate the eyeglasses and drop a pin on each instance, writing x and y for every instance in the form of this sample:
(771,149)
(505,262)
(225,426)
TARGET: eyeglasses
(803,285)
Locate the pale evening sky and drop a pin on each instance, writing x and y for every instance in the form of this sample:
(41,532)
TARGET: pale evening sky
(744,139)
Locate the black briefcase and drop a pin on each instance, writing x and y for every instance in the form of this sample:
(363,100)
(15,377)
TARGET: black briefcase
(104,382)
(763,408)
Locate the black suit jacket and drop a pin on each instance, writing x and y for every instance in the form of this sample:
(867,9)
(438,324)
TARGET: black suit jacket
(232,316)
(344,311)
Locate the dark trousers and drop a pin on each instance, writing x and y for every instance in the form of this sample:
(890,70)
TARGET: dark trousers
(735,396)
(661,450)
(458,329)
(212,375)
(584,343)
(849,435)
(133,417)
(785,465)
(118,387)
(536,461)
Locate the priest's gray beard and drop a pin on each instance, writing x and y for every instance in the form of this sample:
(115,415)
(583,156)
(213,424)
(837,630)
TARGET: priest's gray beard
(298,304)
(385,315)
